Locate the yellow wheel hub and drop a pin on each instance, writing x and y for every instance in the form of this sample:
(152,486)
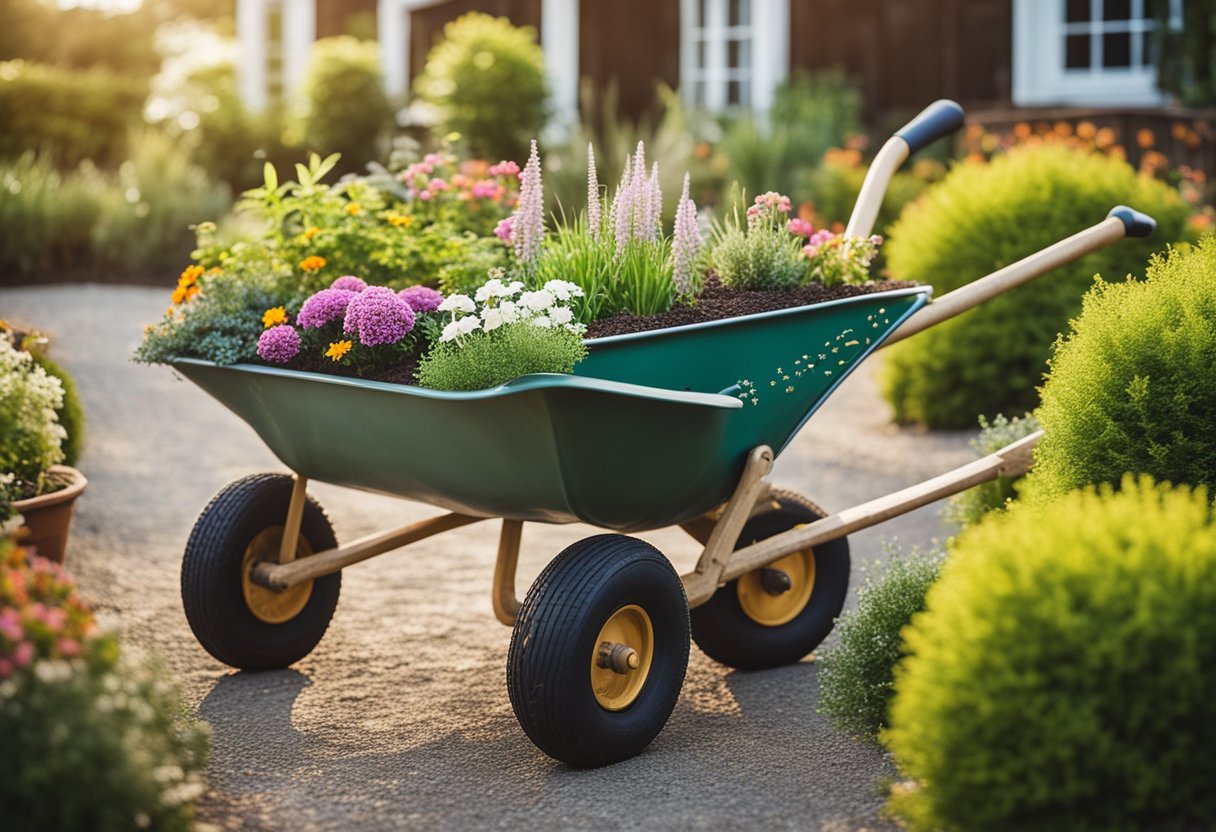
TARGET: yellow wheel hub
(620,661)
(774,609)
(268,605)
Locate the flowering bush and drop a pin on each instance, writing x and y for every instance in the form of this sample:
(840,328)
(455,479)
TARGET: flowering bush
(504,332)
(94,736)
(837,259)
(765,253)
(30,434)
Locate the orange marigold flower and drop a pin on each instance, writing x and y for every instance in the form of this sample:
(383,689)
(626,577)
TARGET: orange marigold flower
(189,275)
(400,220)
(1062,129)
(309,233)
(179,295)
(1105,137)
(191,292)
(1145,138)
(1087,130)
(1178,131)
(337,349)
(312,263)
(353,209)
(274,317)
(1021,130)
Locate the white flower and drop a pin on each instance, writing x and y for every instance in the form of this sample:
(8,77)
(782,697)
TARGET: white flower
(489,289)
(513,288)
(457,303)
(451,331)
(491,319)
(561,315)
(538,301)
(509,312)
(577,329)
(563,289)
(466,325)
(543,322)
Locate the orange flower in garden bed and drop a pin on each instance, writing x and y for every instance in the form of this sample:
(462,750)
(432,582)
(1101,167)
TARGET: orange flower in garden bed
(312,263)
(275,316)
(337,350)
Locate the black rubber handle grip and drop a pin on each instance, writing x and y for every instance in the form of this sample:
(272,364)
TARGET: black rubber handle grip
(938,120)
(1135,223)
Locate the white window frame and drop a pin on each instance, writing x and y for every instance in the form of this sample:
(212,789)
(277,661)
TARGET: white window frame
(1039,74)
(298,23)
(767,33)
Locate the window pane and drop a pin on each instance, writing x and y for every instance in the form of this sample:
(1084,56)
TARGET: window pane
(700,21)
(700,53)
(1117,10)
(1150,48)
(738,54)
(1077,11)
(1117,49)
(698,93)
(737,93)
(1076,52)
(740,13)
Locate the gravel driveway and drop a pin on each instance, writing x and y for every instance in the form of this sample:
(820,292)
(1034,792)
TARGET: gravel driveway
(400,718)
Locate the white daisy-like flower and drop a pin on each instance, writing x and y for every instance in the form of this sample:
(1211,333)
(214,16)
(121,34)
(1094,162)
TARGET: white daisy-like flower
(451,331)
(561,315)
(538,301)
(543,322)
(577,329)
(509,312)
(489,289)
(513,288)
(491,319)
(466,325)
(457,303)
(563,289)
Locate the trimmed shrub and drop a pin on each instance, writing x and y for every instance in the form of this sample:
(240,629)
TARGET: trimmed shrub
(857,676)
(488,360)
(1133,385)
(1060,677)
(68,115)
(969,507)
(486,81)
(982,217)
(344,108)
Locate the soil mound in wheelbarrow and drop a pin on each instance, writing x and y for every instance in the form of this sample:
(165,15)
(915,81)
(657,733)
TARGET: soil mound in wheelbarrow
(717,302)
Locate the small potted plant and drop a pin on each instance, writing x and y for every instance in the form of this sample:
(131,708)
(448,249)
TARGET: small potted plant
(32,481)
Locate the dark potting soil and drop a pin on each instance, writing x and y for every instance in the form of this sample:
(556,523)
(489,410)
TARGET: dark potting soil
(403,372)
(717,301)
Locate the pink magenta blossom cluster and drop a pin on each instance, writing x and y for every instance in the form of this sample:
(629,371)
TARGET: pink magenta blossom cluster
(685,243)
(378,316)
(437,173)
(421,298)
(350,283)
(279,344)
(528,222)
(503,230)
(767,203)
(800,227)
(595,208)
(504,168)
(638,202)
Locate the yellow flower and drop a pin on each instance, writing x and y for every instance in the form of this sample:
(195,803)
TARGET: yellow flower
(189,275)
(179,295)
(353,209)
(273,317)
(309,233)
(400,219)
(337,349)
(312,263)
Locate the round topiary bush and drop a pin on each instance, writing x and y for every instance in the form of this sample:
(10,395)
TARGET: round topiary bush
(1133,386)
(70,413)
(857,676)
(981,217)
(486,80)
(1061,675)
(343,105)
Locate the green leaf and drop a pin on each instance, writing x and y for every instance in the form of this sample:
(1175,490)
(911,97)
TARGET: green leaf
(271,177)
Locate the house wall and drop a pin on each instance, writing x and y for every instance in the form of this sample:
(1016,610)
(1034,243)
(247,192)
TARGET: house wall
(907,53)
(426,25)
(634,44)
(332,15)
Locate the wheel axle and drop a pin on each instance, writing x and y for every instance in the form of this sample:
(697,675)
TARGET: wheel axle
(775,581)
(617,657)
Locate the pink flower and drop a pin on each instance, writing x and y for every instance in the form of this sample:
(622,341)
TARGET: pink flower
(24,654)
(6,668)
(279,344)
(487,189)
(69,647)
(528,222)
(685,243)
(504,168)
(349,282)
(10,624)
(800,227)
(421,298)
(433,159)
(811,251)
(503,230)
(425,196)
(438,185)
(54,619)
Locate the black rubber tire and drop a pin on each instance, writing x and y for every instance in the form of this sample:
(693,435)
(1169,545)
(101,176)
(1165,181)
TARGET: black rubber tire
(548,663)
(725,633)
(211,577)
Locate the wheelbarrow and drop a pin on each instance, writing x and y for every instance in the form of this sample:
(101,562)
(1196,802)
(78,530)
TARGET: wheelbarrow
(655,429)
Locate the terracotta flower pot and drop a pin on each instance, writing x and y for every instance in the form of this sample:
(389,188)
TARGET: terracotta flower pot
(49,516)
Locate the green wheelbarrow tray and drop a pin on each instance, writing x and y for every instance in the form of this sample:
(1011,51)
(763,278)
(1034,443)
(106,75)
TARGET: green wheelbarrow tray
(652,430)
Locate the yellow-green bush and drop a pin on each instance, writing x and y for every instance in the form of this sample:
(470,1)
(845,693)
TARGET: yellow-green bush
(344,109)
(486,81)
(981,217)
(1133,386)
(67,115)
(1061,675)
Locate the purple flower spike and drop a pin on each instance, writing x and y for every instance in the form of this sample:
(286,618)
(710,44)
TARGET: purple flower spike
(279,344)
(378,316)
(421,298)
(325,307)
(349,282)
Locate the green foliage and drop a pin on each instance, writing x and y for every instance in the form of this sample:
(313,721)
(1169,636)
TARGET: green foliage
(811,113)
(834,186)
(71,413)
(47,216)
(970,506)
(857,676)
(1132,387)
(80,37)
(759,253)
(147,208)
(30,434)
(1061,675)
(488,359)
(344,108)
(486,81)
(982,217)
(68,115)
(1186,54)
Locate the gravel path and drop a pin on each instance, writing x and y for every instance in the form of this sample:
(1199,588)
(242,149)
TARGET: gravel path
(400,718)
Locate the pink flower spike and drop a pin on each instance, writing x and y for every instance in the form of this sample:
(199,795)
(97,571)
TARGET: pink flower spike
(594,207)
(528,222)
